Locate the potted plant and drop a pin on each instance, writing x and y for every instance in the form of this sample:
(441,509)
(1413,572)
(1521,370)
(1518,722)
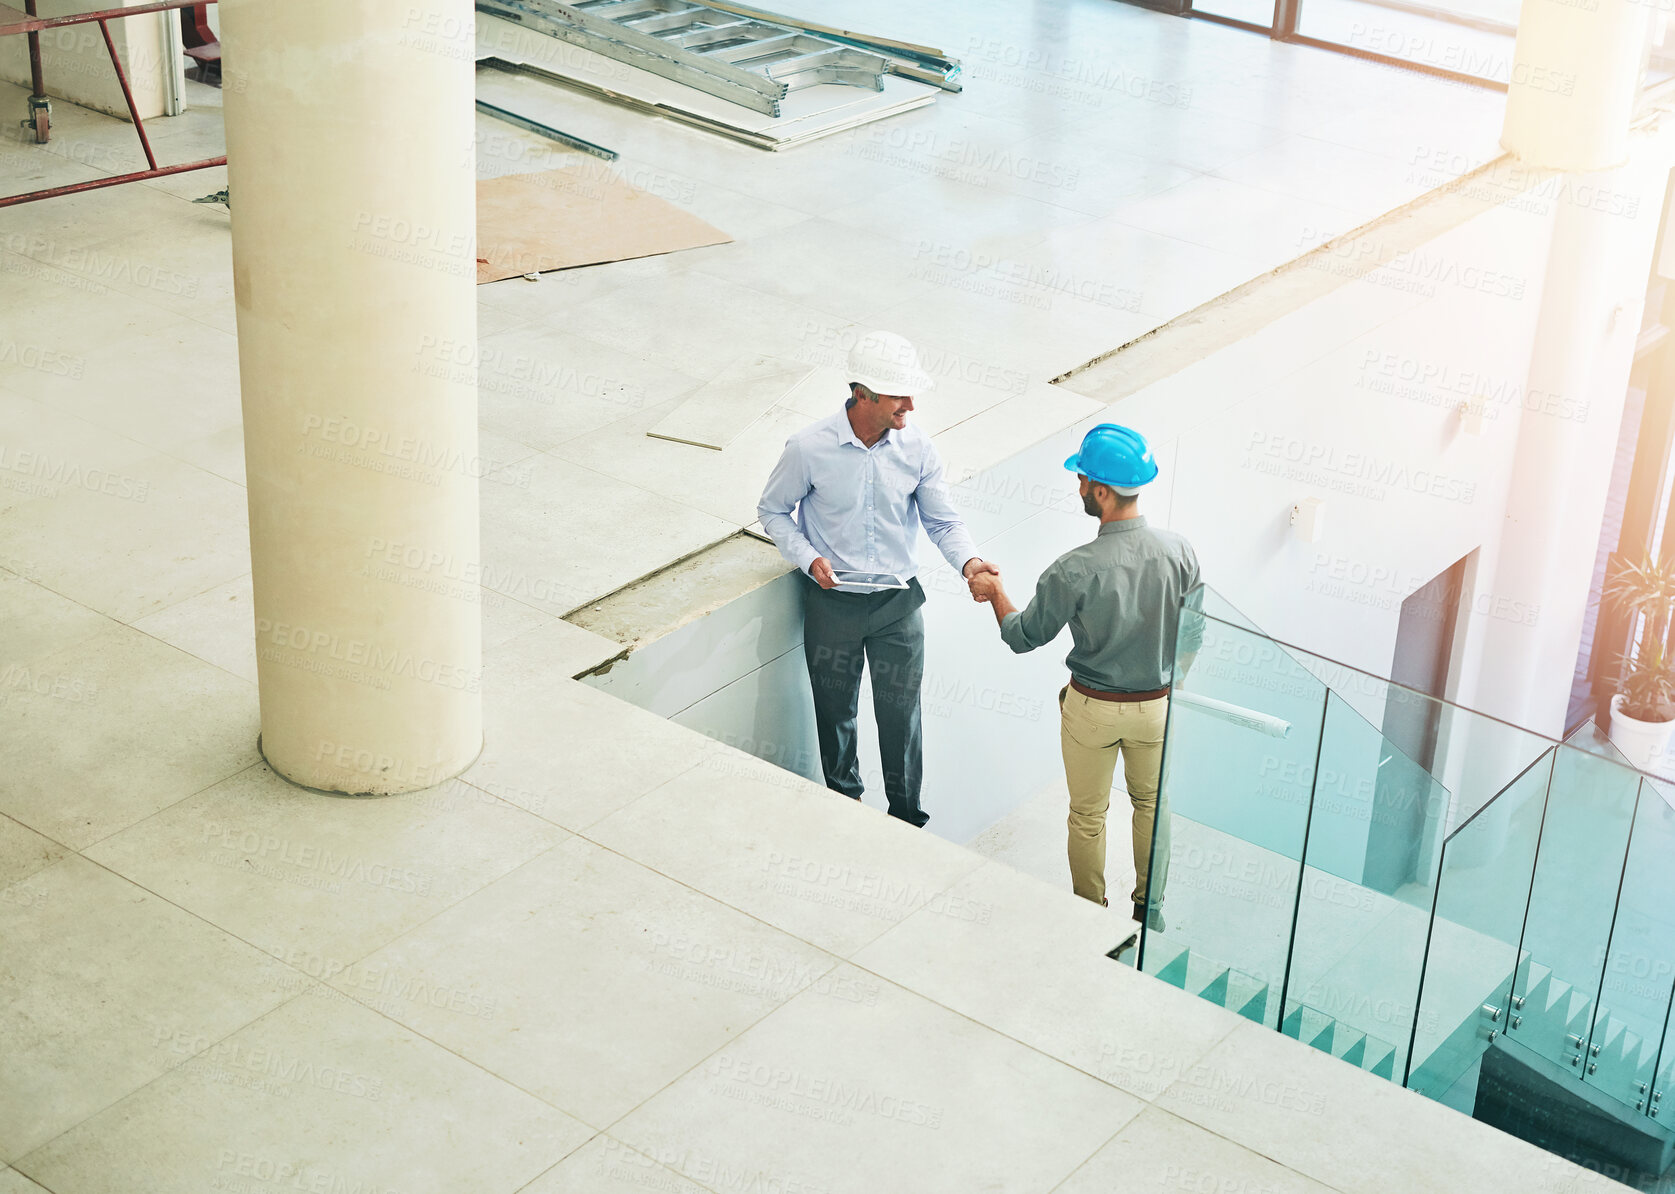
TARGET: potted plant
(1643,710)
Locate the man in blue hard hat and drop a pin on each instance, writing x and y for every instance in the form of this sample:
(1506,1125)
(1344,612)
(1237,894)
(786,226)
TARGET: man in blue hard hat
(846,501)
(1121,597)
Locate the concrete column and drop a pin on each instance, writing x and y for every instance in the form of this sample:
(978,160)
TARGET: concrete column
(349,131)
(1575,76)
(1592,293)
(1591,299)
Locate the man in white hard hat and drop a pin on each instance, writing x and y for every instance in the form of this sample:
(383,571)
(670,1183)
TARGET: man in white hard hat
(848,495)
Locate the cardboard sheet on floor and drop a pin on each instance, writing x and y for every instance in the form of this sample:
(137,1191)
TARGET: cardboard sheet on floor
(581,215)
(718,411)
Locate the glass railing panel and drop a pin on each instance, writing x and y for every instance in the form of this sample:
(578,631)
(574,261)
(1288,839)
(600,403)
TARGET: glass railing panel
(1369,878)
(1244,726)
(1483,756)
(1663,1067)
(1573,898)
(1473,755)
(1590,738)
(1629,1020)
(1482,894)
(1216,606)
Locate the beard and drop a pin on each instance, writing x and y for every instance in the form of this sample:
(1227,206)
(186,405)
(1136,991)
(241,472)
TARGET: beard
(1090,506)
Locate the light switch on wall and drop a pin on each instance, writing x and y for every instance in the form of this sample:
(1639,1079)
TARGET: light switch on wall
(1308,518)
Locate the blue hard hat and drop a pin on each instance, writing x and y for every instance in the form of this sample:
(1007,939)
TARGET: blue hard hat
(1115,456)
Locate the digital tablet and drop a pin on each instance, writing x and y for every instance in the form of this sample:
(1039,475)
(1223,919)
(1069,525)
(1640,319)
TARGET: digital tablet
(871,581)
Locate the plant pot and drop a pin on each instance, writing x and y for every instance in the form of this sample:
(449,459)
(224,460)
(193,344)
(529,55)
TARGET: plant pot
(1642,742)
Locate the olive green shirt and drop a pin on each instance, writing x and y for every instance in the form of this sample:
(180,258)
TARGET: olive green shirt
(1121,597)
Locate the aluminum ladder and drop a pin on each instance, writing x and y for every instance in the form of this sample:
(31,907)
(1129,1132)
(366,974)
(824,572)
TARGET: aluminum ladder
(738,57)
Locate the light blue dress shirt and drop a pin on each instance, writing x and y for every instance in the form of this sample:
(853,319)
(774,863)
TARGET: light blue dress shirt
(861,507)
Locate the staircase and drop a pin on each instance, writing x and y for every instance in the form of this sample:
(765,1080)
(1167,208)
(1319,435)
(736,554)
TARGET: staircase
(1341,1040)
(1558,1021)
(1478,919)
(1221,985)
(1251,998)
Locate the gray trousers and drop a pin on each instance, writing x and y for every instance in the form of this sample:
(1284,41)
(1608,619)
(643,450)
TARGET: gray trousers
(886,632)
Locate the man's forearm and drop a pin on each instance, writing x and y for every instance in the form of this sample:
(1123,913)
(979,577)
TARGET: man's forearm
(955,545)
(782,528)
(1002,605)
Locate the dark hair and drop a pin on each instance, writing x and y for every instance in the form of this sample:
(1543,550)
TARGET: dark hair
(857,391)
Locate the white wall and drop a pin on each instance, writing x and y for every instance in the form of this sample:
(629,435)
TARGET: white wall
(1375,398)
(1302,410)
(78,67)
(1329,384)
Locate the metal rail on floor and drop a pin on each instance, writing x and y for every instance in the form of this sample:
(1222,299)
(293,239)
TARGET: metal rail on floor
(545,130)
(31,24)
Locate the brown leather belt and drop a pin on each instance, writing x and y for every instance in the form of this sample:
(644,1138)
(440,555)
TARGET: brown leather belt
(1100,695)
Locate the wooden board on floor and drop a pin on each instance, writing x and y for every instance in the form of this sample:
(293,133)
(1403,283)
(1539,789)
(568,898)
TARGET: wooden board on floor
(719,410)
(581,215)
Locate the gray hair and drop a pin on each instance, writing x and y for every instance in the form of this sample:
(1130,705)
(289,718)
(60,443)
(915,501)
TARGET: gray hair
(854,397)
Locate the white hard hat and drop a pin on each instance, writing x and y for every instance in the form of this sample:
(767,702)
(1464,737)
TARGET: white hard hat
(888,364)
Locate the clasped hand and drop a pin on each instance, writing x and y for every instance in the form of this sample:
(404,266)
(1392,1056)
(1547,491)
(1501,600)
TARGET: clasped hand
(983,578)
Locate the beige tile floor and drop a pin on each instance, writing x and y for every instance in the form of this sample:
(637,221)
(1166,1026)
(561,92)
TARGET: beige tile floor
(614,955)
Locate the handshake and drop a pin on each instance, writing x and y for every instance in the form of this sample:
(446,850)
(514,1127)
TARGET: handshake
(983,578)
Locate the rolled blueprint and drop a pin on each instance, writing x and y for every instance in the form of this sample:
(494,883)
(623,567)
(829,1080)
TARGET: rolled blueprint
(1262,723)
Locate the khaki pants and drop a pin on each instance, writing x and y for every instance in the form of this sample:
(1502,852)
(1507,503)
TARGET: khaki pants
(1091,732)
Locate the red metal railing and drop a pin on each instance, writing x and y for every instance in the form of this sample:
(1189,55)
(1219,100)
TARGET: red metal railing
(31,24)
